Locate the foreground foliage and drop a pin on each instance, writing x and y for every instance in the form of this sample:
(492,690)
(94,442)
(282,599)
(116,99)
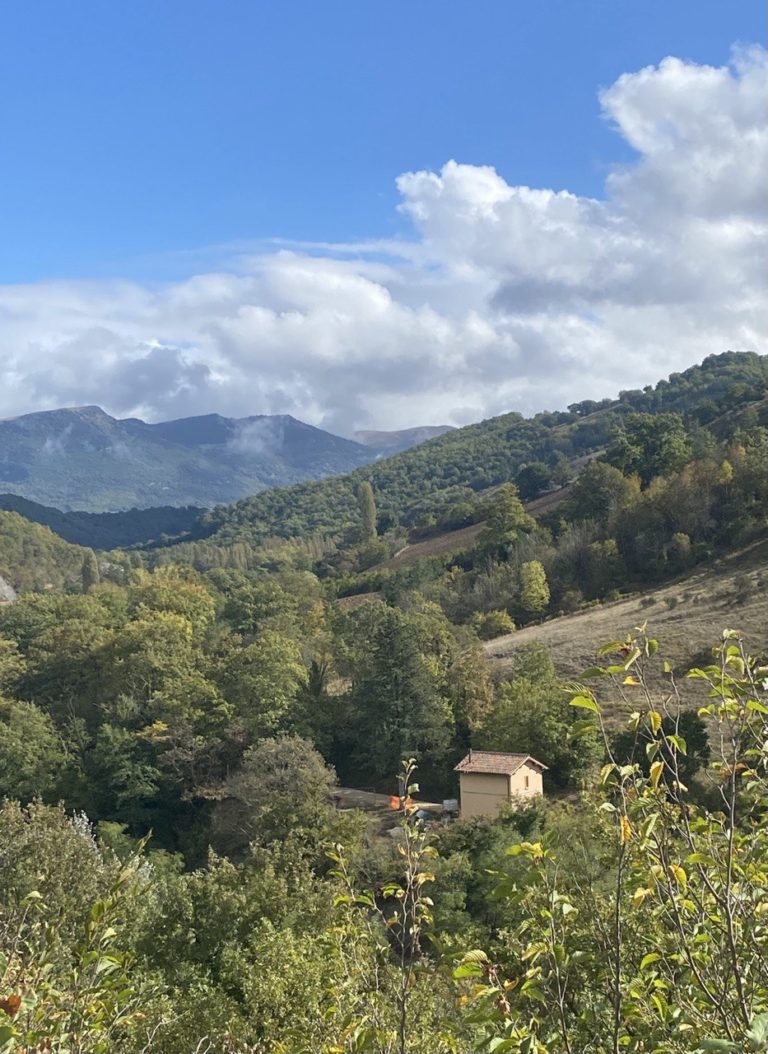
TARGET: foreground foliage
(633,919)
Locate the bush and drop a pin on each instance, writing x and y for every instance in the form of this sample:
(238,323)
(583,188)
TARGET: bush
(490,624)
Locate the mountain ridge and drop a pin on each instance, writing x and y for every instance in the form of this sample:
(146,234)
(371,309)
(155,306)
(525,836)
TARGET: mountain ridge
(81,458)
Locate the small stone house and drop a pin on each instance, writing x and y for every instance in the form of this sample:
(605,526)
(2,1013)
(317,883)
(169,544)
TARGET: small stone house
(488,779)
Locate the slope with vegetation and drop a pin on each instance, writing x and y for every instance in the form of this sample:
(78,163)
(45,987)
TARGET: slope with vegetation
(109,530)
(436,483)
(213,692)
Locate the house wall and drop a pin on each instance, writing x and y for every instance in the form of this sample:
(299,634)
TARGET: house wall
(482,793)
(526,782)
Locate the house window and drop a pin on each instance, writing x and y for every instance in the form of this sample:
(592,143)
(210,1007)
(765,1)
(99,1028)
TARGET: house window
(527,782)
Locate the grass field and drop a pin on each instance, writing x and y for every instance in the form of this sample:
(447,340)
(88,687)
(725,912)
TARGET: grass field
(686,616)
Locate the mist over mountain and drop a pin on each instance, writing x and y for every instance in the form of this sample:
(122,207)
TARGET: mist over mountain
(82,458)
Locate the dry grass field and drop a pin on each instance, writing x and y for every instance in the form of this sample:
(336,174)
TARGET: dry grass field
(686,617)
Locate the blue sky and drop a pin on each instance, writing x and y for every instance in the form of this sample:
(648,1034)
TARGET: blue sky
(375,215)
(132,132)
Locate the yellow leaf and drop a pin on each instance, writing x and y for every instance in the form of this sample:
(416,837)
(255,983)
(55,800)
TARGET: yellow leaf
(656,770)
(655,719)
(680,876)
(625,829)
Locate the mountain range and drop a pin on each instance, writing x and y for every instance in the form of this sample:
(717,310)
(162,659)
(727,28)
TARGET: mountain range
(82,458)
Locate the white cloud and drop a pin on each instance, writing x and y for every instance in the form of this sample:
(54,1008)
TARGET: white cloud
(508,297)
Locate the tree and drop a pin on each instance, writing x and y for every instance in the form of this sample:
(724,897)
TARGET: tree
(174,590)
(532,715)
(12,665)
(32,754)
(366,504)
(534,591)
(506,518)
(650,445)
(262,681)
(490,624)
(282,787)
(90,572)
(533,479)
(600,493)
(400,711)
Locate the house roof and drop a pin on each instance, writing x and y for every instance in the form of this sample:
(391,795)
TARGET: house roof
(496,764)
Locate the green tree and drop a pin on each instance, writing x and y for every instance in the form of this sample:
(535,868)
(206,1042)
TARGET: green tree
(32,754)
(650,445)
(533,479)
(262,681)
(90,572)
(172,590)
(532,715)
(600,493)
(534,590)
(490,624)
(282,787)
(506,518)
(12,665)
(400,711)
(366,504)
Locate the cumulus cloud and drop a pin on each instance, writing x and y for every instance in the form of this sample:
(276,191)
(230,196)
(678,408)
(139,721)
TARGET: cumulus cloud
(507,297)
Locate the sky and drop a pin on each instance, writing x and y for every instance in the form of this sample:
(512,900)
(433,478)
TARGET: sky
(375,215)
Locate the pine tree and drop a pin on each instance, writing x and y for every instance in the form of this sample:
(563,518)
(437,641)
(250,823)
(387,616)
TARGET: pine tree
(399,707)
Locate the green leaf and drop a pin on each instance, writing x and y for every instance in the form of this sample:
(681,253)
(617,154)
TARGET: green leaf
(756,707)
(700,858)
(583,702)
(758,1033)
(647,960)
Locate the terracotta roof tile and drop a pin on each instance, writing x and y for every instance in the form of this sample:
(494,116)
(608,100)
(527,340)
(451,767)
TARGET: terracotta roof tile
(495,763)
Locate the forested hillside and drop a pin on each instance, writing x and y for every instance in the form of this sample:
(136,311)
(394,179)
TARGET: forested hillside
(177,875)
(109,530)
(426,483)
(33,558)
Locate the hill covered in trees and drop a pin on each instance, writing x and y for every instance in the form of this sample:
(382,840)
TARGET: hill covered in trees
(434,482)
(109,530)
(209,695)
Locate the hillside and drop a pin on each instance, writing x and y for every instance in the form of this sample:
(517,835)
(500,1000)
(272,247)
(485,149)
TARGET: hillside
(81,458)
(429,480)
(687,615)
(108,530)
(32,557)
